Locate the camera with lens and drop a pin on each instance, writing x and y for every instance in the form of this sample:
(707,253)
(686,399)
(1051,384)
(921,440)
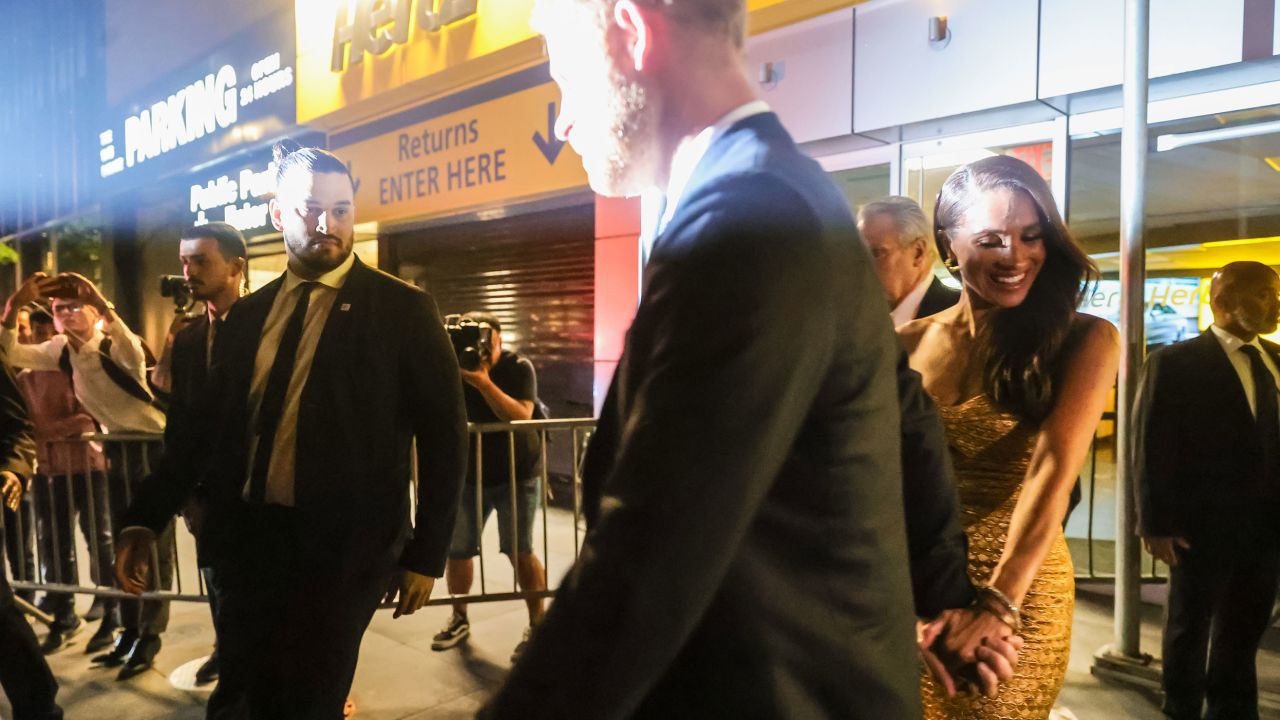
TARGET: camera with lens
(175,286)
(472,341)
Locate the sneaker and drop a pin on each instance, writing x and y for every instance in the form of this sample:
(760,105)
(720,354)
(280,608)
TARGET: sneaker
(455,632)
(524,642)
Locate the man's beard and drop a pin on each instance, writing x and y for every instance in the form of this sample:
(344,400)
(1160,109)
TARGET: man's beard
(631,148)
(314,259)
(1257,325)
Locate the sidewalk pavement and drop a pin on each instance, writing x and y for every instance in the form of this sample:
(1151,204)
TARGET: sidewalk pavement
(400,677)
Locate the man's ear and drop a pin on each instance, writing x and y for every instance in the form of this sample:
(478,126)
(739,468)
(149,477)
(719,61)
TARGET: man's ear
(919,252)
(275,210)
(637,25)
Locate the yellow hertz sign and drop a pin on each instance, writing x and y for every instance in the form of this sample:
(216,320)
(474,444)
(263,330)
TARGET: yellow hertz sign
(490,153)
(352,50)
(376,26)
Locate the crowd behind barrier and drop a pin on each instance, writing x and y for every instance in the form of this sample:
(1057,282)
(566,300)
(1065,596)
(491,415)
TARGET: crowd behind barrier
(40,536)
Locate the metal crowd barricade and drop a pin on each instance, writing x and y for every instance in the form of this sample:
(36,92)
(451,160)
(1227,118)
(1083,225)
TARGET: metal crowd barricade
(97,476)
(83,568)
(564,464)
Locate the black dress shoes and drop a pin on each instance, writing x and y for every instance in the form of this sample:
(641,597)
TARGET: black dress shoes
(121,650)
(141,657)
(59,634)
(105,635)
(208,672)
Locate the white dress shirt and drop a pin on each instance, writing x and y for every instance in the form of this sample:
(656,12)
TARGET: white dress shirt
(280,478)
(907,308)
(114,408)
(1231,346)
(683,164)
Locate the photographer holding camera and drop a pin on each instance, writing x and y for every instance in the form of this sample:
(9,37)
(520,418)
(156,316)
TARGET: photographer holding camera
(106,364)
(500,386)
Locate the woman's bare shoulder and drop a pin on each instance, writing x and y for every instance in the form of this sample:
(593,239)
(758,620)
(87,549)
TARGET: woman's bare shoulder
(1094,332)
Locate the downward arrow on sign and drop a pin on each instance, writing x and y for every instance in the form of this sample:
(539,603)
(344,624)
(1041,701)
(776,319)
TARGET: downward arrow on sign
(355,181)
(550,146)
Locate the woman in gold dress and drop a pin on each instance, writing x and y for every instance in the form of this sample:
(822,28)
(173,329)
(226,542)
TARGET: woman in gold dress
(1020,379)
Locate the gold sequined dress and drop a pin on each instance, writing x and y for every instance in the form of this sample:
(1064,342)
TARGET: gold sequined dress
(990,450)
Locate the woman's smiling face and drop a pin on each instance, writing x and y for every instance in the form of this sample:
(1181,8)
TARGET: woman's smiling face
(999,245)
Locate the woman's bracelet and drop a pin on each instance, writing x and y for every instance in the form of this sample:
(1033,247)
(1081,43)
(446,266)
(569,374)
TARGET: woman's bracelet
(1003,607)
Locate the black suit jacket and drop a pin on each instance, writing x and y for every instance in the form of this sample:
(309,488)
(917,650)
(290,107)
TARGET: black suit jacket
(17,444)
(384,373)
(1198,457)
(748,555)
(188,374)
(937,298)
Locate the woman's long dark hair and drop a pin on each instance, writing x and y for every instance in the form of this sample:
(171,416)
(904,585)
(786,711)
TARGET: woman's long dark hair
(1022,347)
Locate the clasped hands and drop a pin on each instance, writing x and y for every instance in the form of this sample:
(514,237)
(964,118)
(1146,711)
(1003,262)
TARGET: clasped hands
(969,647)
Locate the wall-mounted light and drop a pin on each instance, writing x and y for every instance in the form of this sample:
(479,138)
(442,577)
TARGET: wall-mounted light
(771,73)
(939,31)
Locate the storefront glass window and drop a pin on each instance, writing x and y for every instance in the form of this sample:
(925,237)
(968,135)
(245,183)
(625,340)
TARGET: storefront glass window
(923,176)
(863,184)
(1212,184)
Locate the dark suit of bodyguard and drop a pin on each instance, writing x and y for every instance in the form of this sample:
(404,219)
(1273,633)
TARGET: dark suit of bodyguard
(306,550)
(1207,464)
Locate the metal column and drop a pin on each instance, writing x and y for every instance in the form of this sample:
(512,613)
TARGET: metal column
(1124,659)
(1133,249)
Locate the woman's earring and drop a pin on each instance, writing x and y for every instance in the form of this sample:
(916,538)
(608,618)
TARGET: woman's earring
(951,265)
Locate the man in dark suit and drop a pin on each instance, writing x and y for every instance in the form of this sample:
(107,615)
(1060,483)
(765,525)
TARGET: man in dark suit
(747,555)
(213,260)
(320,383)
(1207,463)
(898,236)
(24,674)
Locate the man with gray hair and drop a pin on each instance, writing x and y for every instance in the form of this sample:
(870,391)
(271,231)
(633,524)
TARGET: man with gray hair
(897,233)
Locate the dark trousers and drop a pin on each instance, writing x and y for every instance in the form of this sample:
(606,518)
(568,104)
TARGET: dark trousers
(289,624)
(1220,600)
(24,674)
(60,500)
(213,590)
(19,537)
(128,464)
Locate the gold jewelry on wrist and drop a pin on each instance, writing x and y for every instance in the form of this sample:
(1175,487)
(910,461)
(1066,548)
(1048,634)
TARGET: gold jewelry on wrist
(108,306)
(997,603)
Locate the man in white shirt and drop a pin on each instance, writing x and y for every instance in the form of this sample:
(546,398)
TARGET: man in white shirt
(897,234)
(1207,464)
(107,366)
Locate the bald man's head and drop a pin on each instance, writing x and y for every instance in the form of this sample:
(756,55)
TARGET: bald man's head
(1245,297)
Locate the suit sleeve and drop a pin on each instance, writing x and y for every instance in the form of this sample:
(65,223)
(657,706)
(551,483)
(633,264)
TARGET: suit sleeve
(939,549)
(735,340)
(17,444)
(186,446)
(434,396)
(1156,452)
